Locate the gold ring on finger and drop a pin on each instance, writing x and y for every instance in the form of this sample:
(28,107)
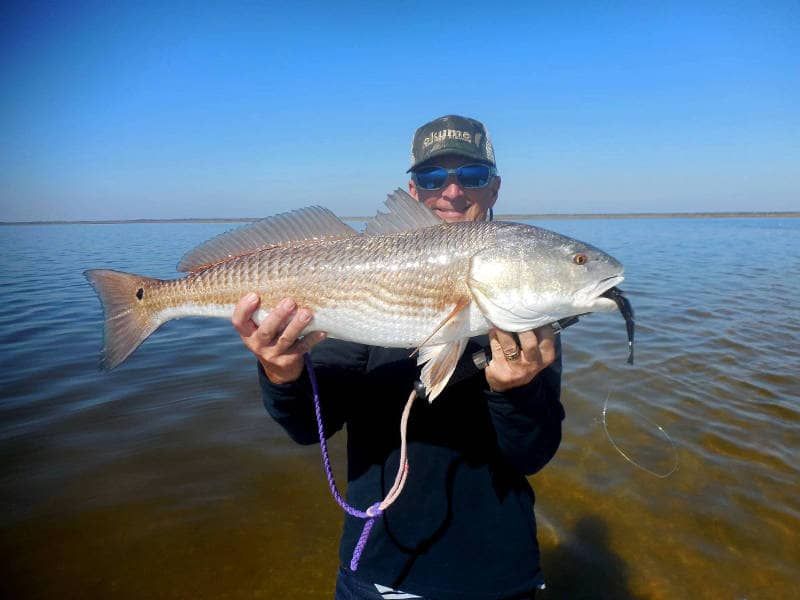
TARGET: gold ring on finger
(512,356)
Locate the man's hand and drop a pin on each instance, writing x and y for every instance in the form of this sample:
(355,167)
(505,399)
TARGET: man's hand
(275,342)
(514,365)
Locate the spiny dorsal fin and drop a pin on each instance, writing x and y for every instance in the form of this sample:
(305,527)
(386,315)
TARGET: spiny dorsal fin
(405,214)
(310,223)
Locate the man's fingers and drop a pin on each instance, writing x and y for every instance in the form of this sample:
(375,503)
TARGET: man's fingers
(529,341)
(525,354)
(314,338)
(536,347)
(293,330)
(272,324)
(503,342)
(547,344)
(242,318)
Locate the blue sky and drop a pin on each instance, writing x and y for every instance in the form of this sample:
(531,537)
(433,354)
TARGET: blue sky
(168,110)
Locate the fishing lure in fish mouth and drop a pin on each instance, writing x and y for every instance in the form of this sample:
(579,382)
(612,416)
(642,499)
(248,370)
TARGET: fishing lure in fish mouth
(625,308)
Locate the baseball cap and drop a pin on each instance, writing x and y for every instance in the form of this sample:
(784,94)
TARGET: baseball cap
(451,134)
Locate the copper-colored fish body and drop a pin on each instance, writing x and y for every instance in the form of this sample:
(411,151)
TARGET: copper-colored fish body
(410,280)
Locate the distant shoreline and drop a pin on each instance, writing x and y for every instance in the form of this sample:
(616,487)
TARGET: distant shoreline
(509,217)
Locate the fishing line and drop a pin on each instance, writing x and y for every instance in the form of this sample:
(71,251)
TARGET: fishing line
(631,460)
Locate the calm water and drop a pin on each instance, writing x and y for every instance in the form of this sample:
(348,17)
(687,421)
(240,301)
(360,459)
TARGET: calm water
(165,478)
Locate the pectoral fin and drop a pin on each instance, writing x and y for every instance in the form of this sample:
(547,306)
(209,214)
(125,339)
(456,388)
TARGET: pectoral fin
(451,320)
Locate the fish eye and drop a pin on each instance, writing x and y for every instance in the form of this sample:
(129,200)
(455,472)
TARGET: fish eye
(580,258)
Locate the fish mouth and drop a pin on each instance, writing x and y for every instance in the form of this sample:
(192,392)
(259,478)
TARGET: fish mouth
(597,294)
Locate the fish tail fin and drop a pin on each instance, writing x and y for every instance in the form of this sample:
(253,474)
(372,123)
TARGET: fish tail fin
(129,318)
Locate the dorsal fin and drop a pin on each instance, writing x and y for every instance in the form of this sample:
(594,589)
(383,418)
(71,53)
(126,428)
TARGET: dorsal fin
(405,214)
(309,223)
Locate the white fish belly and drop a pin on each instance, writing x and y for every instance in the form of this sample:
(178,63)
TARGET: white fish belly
(368,326)
(349,323)
(360,324)
(195,309)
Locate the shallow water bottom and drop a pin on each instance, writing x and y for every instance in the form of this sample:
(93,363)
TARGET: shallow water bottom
(270,530)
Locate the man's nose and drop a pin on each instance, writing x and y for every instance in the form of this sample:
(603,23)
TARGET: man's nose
(452,189)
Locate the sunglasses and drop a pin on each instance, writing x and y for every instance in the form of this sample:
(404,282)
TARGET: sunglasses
(468,176)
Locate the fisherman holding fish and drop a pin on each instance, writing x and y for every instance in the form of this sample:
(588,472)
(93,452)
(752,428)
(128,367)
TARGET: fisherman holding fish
(432,275)
(464,526)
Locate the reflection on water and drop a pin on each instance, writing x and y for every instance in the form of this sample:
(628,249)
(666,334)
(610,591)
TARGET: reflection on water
(166,478)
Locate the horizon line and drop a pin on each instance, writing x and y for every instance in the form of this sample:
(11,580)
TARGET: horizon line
(504,217)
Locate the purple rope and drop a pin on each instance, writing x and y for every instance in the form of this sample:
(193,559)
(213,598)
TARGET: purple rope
(362,540)
(374,511)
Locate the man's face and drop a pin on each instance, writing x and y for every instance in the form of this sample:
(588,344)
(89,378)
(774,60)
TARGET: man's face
(453,202)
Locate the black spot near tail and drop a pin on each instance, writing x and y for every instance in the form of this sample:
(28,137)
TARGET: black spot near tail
(128,322)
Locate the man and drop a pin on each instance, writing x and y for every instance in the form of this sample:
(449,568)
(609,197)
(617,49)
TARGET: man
(464,525)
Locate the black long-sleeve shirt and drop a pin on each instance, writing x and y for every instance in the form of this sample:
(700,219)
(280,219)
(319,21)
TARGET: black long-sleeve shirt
(464,525)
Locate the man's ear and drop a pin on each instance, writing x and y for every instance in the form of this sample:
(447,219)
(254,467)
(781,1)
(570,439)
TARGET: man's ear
(495,189)
(412,188)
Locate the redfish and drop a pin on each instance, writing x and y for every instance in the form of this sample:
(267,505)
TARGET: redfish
(409,280)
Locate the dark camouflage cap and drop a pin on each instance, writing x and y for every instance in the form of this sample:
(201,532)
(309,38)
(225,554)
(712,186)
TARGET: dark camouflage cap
(451,134)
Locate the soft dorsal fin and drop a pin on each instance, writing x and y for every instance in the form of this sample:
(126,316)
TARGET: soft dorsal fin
(309,223)
(405,214)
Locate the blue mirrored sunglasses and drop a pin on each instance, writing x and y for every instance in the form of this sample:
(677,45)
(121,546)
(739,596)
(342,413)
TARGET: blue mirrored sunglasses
(468,176)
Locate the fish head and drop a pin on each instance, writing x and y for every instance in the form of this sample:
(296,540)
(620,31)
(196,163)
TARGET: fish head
(531,277)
